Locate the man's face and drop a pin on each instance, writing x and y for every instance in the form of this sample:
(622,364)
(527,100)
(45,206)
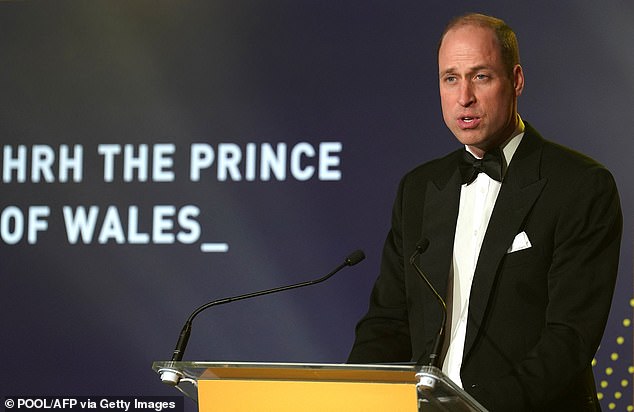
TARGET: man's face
(478,96)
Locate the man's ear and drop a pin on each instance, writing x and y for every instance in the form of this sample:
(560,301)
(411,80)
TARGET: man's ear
(518,79)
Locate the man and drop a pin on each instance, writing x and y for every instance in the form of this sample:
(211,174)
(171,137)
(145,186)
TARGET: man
(527,258)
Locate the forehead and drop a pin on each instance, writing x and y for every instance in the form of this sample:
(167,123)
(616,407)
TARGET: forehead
(469,43)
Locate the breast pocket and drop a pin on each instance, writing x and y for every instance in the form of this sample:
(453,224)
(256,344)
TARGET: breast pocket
(528,257)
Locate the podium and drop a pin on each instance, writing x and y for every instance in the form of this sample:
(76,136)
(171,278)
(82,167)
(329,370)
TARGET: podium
(280,387)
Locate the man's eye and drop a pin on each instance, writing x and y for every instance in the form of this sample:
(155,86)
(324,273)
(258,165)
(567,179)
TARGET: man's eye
(481,76)
(450,79)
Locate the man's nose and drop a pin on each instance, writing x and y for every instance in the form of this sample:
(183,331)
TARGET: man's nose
(466,97)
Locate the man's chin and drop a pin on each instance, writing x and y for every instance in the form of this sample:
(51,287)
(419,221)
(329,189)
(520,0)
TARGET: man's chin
(470,138)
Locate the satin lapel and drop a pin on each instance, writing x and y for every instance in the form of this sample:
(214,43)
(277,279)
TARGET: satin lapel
(521,188)
(442,199)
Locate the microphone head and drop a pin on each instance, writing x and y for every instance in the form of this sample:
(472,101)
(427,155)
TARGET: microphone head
(422,245)
(355,257)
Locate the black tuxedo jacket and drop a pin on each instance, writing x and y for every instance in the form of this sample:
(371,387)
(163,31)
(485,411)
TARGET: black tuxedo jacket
(536,316)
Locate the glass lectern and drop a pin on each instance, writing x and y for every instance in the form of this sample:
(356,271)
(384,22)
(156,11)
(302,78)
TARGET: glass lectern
(238,386)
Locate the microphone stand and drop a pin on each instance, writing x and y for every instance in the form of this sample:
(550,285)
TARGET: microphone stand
(430,374)
(172,377)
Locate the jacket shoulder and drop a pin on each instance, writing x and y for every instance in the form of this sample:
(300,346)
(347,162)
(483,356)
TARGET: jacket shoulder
(440,169)
(559,157)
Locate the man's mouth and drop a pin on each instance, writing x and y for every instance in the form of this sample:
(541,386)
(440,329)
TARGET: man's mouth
(468,122)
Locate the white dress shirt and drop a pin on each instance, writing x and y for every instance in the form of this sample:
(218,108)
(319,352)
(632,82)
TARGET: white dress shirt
(476,205)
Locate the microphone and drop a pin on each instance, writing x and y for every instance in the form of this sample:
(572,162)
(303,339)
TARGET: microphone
(434,359)
(171,377)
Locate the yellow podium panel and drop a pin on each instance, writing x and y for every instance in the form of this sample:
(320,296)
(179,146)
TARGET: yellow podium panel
(305,396)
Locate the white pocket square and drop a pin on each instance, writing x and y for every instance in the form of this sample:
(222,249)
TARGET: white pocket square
(520,242)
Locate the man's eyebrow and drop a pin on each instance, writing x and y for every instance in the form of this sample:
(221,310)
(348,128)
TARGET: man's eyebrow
(480,67)
(447,71)
(452,70)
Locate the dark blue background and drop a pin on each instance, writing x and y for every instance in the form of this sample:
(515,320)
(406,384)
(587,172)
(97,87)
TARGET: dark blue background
(91,319)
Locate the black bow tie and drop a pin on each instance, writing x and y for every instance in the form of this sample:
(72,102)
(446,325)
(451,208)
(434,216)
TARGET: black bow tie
(491,164)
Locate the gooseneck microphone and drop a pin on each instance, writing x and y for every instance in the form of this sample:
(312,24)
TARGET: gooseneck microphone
(434,356)
(170,378)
